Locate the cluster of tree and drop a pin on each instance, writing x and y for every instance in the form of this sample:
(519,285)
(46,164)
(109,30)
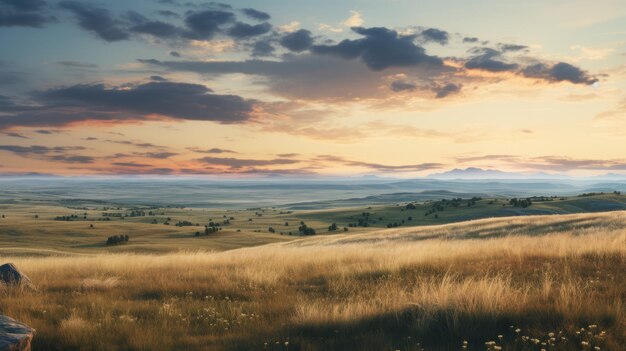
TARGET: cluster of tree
(543,198)
(590,194)
(306,230)
(185,224)
(271,230)
(66,218)
(362,221)
(209,230)
(136,213)
(411,207)
(523,203)
(332,227)
(112,214)
(117,239)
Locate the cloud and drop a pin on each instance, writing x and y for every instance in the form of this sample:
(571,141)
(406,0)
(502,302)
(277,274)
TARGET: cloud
(262,48)
(380,49)
(76,64)
(297,41)
(156,28)
(379,166)
(401,85)
(15,135)
(157,155)
(256,14)
(175,54)
(558,72)
(24,13)
(168,13)
(489,60)
(97,20)
(355,20)
(214,150)
(435,35)
(56,153)
(446,89)
(206,24)
(470,40)
(97,102)
(551,163)
(243,30)
(130,164)
(512,47)
(239,163)
(289,27)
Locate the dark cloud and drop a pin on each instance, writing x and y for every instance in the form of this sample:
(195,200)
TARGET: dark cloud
(304,76)
(158,155)
(130,164)
(168,13)
(381,48)
(134,143)
(97,20)
(243,30)
(47,131)
(297,41)
(435,35)
(76,64)
(512,47)
(158,79)
(156,28)
(288,155)
(558,72)
(489,60)
(446,89)
(15,135)
(24,13)
(401,85)
(256,14)
(56,153)
(262,48)
(206,24)
(62,106)
(214,150)
(175,54)
(470,40)
(238,162)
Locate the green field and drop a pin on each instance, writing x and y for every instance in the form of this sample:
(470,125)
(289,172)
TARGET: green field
(40,227)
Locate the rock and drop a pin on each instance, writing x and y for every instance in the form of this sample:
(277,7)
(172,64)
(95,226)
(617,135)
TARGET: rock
(11,276)
(14,336)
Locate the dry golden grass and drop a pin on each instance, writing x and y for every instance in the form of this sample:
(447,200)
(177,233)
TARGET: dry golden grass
(387,290)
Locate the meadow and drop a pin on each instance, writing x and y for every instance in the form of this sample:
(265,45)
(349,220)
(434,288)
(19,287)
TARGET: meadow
(516,283)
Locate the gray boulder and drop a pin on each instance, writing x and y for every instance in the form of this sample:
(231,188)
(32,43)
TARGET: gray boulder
(11,276)
(14,336)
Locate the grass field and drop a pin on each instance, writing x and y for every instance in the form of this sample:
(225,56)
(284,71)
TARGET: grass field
(32,228)
(523,283)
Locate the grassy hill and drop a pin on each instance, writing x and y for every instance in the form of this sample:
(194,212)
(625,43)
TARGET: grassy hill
(514,283)
(61,228)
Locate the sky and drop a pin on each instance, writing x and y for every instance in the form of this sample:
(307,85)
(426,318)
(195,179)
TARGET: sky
(399,88)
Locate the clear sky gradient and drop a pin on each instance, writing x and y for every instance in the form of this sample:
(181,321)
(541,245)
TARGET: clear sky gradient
(393,87)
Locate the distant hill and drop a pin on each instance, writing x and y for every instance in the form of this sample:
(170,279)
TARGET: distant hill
(479,173)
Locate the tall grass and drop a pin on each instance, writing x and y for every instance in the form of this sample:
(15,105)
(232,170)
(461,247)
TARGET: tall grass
(388,290)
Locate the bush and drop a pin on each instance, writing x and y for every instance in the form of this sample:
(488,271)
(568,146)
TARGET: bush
(117,239)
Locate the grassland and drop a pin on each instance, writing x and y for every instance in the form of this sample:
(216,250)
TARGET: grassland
(34,227)
(522,283)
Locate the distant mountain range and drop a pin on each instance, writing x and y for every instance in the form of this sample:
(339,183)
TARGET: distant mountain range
(479,173)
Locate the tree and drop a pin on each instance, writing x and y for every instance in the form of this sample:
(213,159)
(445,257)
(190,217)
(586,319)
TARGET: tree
(332,227)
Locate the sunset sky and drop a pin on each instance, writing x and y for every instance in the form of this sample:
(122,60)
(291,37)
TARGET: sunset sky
(392,87)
